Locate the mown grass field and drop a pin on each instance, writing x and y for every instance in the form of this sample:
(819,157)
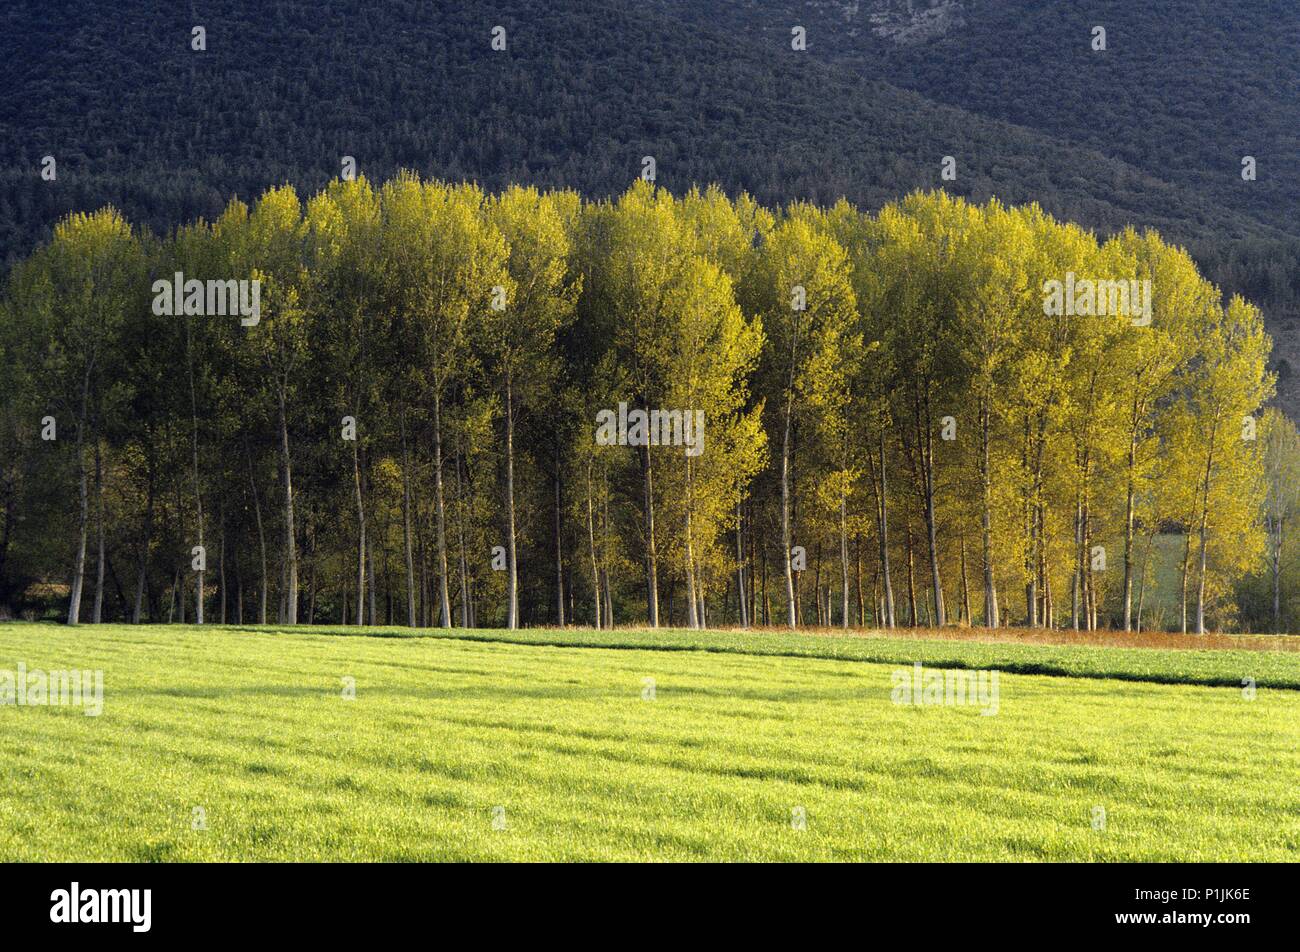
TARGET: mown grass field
(561,746)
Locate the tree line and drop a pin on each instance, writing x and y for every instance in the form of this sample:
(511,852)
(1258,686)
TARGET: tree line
(902,425)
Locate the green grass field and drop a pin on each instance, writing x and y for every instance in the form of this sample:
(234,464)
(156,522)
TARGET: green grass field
(556,741)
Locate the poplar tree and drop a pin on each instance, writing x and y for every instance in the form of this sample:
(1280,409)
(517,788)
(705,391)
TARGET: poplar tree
(1149,361)
(78,291)
(272,253)
(711,353)
(345,226)
(517,329)
(1226,384)
(1280,445)
(997,305)
(443,262)
(648,253)
(801,289)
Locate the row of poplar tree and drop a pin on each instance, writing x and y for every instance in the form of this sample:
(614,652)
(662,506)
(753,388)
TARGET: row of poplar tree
(897,432)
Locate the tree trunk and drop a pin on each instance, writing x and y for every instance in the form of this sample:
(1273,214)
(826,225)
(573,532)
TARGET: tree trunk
(912,618)
(406,527)
(817,587)
(1049,601)
(512,568)
(591,541)
(177,595)
(986,520)
(137,614)
(359,498)
(752,562)
(1204,532)
(559,548)
(931,529)
(965,618)
(10,520)
(605,550)
(740,570)
(857,579)
(440,514)
(692,616)
(786,541)
(703,613)
(181,576)
(651,557)
(311,596)
(372,590)
(198,494)
(1142,582)
(83,514)
(261,538)
(221,566)
(239,595)
(1276,527)
(290,616)
(1089,580)
(1186,571)
(466,619)
(1076,584)
(1036,521)
(844,560)
(98,615)
(886,579)
(1128,530)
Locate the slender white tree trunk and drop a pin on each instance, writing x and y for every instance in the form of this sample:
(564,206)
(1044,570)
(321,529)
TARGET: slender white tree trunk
(512,569)
(406,527)
(290,542)
(786,541)
(591,540)
(83,514)
(98,615)
(440,513)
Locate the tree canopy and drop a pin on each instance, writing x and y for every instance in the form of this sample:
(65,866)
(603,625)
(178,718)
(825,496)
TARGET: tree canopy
(429,404)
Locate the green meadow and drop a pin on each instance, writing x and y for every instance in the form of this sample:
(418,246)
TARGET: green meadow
(233,744)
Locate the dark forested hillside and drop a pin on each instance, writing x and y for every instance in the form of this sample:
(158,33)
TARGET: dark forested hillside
(1149,132)
(1183,89)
